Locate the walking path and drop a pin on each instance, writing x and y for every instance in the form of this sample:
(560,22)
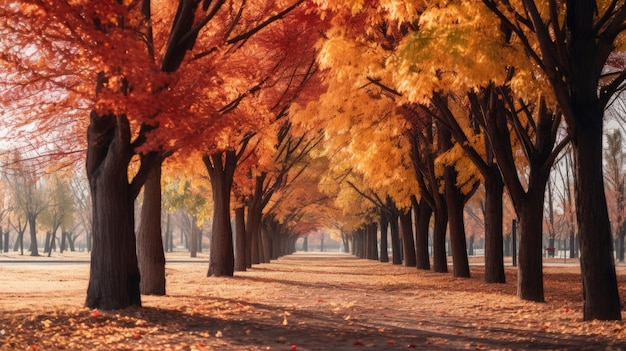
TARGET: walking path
(304,301)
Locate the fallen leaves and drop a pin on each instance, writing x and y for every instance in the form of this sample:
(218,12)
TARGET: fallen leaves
(394,308)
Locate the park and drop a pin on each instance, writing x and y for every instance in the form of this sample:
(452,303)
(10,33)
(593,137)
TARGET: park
(168,168)
(310,300)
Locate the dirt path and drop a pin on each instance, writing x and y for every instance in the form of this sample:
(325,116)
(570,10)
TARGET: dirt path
(308,301)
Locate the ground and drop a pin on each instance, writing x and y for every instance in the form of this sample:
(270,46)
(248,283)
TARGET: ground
(300,302)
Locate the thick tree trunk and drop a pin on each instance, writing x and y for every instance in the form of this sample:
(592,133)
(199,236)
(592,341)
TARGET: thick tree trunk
(529,273)
(6,241)
(384,227)
(455,204)
(422,213)
(193,237)
(408,244)
(253,230)
(63,241)
(114,272)
(372,238)
(440,260)
(150,254)
(53,239)
(396,247)
(32,225)
(600,292)
(494,258)
(240,240)
(221,171)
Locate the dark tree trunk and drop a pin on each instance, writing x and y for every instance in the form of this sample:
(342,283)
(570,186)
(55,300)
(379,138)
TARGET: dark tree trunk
(422,213)
(221,167)
(384,227)
(440,260)
(114,272)
(63,241)
(240,240)
(600,292)
(32,225)
(6,241)
(529,274)
(253,230)
(305,244)
(494,258)
(150,254)
(53,238)
(396,247)
(193,237)
(372,232)
(455,204)
(46,245)
(408,244)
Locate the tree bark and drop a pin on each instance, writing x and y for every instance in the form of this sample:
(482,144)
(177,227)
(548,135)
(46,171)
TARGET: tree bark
(384,227)
(440,260)
(422,213)
(193,237)
(408,244)
(529,282)
(600,291)
(114,272)
(240,240)
(221,167)
(456,225)
(150,254)
(494,258)
(32,225)
(396,248)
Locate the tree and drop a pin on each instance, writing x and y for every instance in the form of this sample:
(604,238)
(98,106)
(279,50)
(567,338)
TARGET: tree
(27,194)
(59,211)
(572,42)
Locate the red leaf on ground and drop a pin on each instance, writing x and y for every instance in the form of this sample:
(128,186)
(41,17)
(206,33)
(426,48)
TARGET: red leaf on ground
(294,348)
(358,343)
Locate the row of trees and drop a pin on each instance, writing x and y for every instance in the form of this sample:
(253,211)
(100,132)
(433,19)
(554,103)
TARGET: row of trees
(286,106)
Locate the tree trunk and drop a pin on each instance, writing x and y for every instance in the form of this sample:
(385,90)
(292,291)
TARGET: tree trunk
(455,204)
(193,237)
(240,240)
(53,238)
(422,213)
(372,232)
(396,248)
(6,241)
(440,260)
(114,272)
(408,244)
(150,254)
(494,258)
(305,243)
(221,171)
(384,227)
(32,225)
(63,241)
(600,292)
(253,230)
(46,245)
(529,273)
